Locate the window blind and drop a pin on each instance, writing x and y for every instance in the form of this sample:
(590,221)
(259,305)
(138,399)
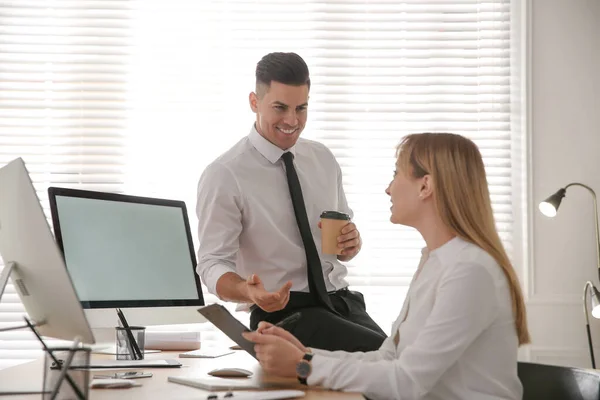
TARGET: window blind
(62,109)
(139,96)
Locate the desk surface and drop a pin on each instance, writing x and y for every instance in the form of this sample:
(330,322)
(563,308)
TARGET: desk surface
(29,377)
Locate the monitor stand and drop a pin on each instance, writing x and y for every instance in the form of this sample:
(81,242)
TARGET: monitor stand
(60,364)
(4,276)
(8,268)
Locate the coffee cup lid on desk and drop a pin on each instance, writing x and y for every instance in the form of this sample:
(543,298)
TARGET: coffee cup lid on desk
(335,215)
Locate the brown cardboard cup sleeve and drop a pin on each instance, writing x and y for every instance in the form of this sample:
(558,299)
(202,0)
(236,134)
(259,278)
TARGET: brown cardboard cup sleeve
(332,223)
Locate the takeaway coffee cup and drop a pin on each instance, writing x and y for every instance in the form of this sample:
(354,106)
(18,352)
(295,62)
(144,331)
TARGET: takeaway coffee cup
(332,223)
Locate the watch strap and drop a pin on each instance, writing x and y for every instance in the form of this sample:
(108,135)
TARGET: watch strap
(307,357)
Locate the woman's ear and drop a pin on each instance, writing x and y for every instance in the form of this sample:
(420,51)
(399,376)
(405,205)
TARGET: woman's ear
(426,189)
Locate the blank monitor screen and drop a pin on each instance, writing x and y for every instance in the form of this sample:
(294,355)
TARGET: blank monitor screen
(126,251)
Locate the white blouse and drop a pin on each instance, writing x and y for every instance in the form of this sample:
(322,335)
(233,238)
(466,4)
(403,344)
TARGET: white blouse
(456,331)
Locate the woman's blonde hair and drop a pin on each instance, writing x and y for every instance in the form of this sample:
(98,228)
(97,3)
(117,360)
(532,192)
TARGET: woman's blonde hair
(462,199)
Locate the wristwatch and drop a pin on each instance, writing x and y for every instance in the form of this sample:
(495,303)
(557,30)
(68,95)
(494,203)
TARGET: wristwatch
(303,368)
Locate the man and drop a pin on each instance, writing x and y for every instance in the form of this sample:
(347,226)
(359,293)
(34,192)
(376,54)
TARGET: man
(258,211)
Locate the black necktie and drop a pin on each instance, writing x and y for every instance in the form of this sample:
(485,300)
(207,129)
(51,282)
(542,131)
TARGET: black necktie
(316,283)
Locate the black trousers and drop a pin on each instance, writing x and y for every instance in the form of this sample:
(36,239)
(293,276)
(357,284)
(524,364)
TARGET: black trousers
(351,330)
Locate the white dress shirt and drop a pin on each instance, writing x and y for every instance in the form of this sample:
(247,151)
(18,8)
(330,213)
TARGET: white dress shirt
(457,337)
(246,221)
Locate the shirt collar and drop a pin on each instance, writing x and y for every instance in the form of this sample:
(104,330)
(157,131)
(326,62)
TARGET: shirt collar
(266,148)
(446,250)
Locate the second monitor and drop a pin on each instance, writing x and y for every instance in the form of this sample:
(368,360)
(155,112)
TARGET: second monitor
(129,252)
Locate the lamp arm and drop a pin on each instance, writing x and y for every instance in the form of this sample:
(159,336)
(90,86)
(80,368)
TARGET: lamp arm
(595,220)
(586,289)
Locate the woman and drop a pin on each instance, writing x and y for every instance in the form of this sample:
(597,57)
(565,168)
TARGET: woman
(463,319)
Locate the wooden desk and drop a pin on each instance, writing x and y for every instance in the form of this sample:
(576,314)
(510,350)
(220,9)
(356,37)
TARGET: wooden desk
(29,376)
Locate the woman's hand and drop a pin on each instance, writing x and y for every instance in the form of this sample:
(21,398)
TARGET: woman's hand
(270,329)
(276,355)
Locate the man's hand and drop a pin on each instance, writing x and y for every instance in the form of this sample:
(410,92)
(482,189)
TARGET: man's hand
(268,301)
(277,356)
(270,329)
(349,241)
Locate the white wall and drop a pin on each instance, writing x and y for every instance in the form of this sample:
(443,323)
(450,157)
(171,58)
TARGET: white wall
(565,146)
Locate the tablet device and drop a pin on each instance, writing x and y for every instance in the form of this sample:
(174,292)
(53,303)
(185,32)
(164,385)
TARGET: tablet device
(228,324)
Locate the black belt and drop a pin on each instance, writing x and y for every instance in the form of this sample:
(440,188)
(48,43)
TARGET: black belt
(339,291)
(345,289)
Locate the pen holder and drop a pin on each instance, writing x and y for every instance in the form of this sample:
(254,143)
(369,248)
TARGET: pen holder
(124,346)
(74,374)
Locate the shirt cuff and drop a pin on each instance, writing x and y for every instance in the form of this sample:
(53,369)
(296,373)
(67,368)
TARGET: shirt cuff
(214,273)
(245,307)
(319,351)
(321,367)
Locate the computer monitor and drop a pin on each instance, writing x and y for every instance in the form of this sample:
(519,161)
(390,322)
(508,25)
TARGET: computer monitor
(39,276)
(128,252)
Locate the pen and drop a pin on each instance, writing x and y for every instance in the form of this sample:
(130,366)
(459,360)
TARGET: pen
(289,319)
(135,350)
(214,396)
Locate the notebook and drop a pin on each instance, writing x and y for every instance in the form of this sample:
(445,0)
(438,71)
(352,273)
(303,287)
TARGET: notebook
(221,384)
(262,395)
(213,383)
(116,364)
(209,352)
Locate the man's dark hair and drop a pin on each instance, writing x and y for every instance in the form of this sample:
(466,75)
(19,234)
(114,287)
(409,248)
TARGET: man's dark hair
(286,68)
